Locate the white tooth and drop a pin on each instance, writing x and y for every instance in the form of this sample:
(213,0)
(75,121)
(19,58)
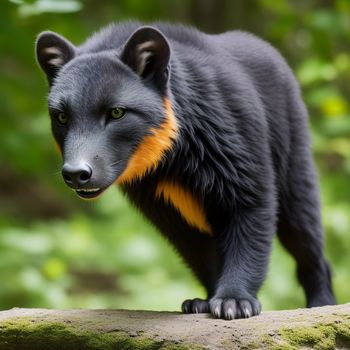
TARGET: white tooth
(88,190)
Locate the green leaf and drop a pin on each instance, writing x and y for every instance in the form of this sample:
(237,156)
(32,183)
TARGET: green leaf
(45,6)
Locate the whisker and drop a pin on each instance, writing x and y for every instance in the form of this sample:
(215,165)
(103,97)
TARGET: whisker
(115,163)
(54,173)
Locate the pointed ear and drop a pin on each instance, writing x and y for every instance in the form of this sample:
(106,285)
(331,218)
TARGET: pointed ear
(53,52)
(147,53)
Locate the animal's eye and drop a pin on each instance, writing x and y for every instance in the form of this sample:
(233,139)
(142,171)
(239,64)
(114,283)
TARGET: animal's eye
(62,118)
(117,112)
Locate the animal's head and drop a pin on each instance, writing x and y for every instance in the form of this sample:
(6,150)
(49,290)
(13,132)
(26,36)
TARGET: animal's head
(110,115)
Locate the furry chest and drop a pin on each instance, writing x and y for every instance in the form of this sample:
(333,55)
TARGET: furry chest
(185,203)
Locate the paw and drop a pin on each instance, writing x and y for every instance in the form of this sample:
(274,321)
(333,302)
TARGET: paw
(230,308)
(195,306)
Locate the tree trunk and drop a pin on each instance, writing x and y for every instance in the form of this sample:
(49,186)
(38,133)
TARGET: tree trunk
(39,329)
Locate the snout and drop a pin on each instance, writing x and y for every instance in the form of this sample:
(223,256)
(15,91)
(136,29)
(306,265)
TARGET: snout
(78,176)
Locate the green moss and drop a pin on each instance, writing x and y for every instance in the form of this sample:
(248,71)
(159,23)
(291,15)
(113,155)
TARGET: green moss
(25,334)
(325,336)
(321,336)
(268,342)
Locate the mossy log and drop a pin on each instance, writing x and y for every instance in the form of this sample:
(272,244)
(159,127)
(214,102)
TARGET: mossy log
(39,329)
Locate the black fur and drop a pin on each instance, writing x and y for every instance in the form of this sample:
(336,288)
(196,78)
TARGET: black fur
(243,149)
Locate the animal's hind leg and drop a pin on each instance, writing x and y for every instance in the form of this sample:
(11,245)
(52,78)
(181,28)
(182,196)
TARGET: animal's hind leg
(207,272)
(200,254)
(300,230)
(305,244)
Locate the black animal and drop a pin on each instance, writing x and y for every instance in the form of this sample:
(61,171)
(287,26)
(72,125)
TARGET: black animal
(208,136)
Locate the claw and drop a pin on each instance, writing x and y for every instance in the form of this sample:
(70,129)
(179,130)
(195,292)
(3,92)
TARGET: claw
(246,312)
(195,306)
(185,307)
(229,314)
(231,308)
(217,312)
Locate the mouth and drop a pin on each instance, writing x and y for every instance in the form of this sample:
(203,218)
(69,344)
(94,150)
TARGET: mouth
(89,193)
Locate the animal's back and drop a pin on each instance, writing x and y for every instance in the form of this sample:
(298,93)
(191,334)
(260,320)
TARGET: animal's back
(278,91)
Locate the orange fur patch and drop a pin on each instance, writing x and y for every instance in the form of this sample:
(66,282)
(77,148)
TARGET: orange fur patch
(153,147)
(188,206)
(58,147)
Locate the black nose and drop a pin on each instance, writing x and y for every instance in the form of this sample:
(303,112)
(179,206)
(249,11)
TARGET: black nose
(76,175)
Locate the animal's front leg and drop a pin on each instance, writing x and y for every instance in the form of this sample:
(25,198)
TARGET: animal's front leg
(245,248)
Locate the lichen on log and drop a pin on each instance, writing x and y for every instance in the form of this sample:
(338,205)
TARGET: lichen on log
(28,329)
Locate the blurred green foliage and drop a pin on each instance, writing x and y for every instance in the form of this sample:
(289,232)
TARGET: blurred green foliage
(56,251)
